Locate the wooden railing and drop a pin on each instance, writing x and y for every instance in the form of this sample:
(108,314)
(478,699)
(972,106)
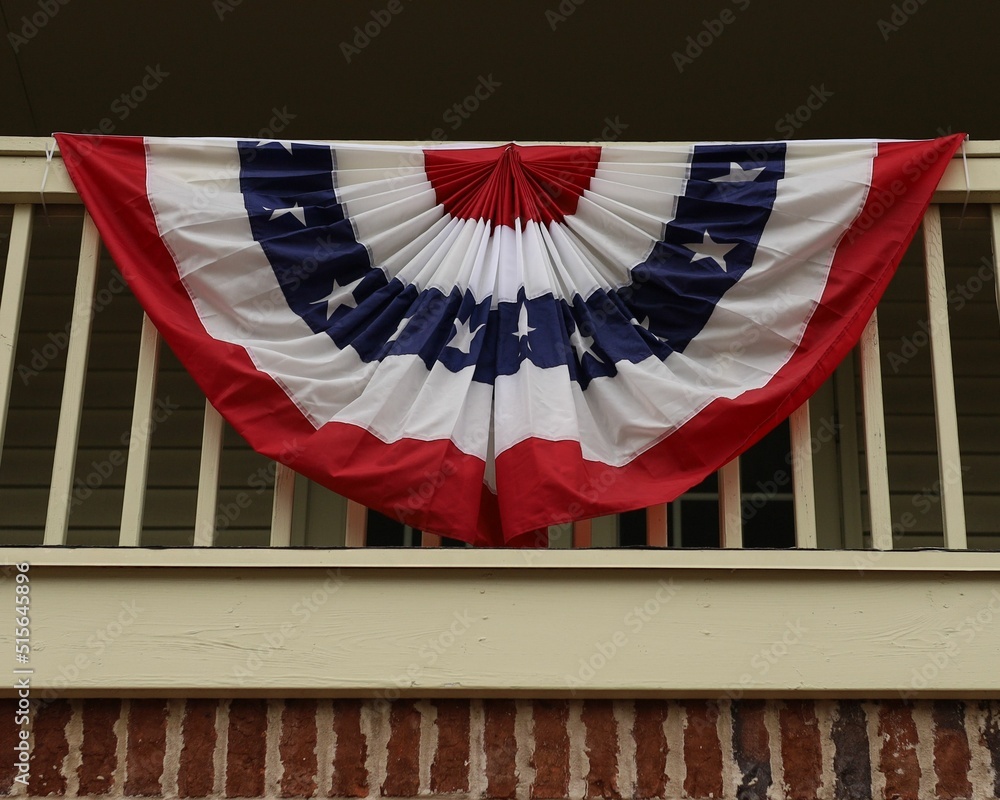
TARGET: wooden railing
(23,169)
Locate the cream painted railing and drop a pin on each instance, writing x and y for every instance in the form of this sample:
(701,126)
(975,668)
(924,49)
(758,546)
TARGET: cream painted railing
(22,171)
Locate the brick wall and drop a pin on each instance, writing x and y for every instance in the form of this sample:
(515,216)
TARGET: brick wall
(509,749)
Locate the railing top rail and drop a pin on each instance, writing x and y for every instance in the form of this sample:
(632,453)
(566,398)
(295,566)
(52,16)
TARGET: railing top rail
(861,562)
(37,145)
(22,167)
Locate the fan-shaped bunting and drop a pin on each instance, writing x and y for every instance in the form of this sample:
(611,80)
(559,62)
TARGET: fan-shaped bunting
(486,340)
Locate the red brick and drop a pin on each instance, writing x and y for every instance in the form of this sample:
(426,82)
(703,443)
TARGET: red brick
(801,750)
(501,748)
(245,760)
(551,756)
(602,749)
(702,750)
(147,744)
(196,771)
(450,769)
(50,748)
(952,757)
(852,765)
(898,760)
(99,752)
(8,738)
(350,777)
(990,739)
(402,778)
(651,748)
(297,748)
(751,749)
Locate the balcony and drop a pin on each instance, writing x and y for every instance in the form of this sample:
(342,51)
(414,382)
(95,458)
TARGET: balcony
(863,531)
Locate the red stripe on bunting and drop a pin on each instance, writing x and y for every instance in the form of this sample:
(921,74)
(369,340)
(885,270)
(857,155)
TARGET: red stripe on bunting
(425,484)
(564,486)
(543,183)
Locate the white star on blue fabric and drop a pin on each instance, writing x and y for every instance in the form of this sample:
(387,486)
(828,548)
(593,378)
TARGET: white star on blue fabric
(399,330)
(286,143)
(296,211)
(583,344)
(464,335)
(523,328)
(737,174)
(711,249)
(341,296)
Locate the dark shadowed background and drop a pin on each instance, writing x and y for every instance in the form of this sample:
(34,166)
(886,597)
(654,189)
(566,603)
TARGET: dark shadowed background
(569,70)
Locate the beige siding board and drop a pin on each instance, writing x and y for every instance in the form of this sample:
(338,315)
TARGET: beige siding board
(901,320)
(119,315)
(982,513)
(916,472)
(169,468)
(979,357)
(973,395)
(100,427)
(324,516)
(108,389)
(977,433)
(165,507)
(193,627)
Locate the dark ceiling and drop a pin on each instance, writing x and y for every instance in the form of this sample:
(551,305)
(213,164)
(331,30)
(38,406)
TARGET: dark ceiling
(556,69)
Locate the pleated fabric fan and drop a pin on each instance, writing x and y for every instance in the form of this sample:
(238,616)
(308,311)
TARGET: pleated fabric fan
(486,340)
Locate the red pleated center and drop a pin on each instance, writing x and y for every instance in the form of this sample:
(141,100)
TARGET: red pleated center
(501,184)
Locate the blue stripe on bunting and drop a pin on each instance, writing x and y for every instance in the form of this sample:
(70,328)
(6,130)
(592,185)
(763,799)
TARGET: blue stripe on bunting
(294,215)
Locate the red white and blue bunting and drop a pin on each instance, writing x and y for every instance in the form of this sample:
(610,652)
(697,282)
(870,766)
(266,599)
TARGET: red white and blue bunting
(484,341)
